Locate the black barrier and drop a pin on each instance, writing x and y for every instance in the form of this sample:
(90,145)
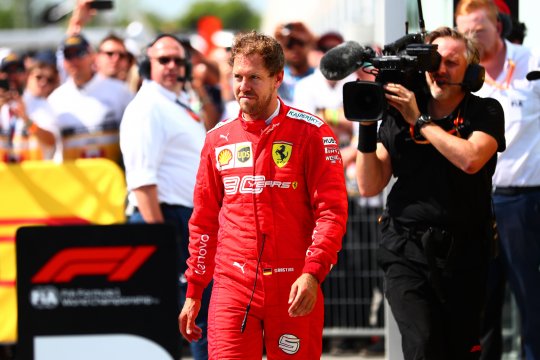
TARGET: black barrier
(97,292)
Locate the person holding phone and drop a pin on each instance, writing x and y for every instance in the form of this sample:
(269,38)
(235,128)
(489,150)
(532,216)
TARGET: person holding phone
(24,134)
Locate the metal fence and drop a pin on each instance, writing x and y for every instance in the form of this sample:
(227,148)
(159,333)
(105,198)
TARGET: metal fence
(353,289)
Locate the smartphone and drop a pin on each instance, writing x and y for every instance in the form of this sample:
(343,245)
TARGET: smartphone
(4,84)
(101,4)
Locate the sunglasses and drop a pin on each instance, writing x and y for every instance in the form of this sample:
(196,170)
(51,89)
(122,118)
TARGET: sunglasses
(293,41)
(14,69)
(120,54)
(49,80)
(164,60)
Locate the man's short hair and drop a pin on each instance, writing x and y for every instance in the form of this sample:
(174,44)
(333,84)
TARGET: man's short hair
(465,7)
(472,55)
(112,37)
(267,47)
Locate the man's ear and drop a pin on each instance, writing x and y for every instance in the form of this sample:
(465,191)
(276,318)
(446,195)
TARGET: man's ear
(279,78)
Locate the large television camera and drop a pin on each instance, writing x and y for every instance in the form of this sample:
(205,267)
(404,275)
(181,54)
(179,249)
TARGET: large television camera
(404,61)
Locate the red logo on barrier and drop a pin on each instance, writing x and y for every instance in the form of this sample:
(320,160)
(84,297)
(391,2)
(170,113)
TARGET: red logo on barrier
(117,262)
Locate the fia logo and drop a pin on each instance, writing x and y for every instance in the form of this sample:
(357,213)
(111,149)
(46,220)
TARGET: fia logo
(44,297)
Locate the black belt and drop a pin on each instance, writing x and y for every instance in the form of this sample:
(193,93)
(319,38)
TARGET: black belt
(515,190)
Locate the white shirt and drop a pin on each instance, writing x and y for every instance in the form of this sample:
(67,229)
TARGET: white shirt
(519,164)
(99,101)
(161,144)
(40,112)
(314,92)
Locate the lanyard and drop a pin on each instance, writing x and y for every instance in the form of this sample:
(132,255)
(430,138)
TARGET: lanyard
(191,113)
(509,73)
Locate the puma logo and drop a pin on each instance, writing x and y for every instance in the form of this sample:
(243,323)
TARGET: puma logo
(241,267)
(226,137)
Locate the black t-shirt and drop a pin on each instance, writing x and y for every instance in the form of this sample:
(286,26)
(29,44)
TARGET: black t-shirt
(429,189)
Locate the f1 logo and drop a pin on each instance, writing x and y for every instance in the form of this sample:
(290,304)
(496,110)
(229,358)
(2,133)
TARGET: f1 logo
(119,263)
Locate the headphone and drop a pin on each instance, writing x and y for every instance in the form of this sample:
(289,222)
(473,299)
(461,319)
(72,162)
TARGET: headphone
(144,60)
(473,78)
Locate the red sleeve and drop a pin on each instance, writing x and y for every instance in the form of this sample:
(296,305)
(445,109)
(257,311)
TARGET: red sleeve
(203,225)
(326,184)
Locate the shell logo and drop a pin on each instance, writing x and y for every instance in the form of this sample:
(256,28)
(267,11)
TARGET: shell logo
(224,157)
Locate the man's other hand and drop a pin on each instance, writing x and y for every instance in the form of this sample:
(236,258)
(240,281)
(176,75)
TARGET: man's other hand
(186,320)
(303,295)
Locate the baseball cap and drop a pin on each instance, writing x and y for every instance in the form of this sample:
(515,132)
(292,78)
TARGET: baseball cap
(45,56)
(75,46)
(12,63)
(328,40)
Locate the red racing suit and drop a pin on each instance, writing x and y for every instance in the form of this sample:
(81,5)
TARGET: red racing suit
(270,204)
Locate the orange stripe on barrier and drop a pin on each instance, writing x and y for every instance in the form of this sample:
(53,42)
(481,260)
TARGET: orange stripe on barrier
(7,283)
(7,239)
(46,221)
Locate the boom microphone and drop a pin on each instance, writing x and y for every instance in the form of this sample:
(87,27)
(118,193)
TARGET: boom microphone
(343,60)
(533,75)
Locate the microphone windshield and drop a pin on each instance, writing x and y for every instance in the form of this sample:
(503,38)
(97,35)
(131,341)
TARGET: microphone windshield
(533,75)
(342,60)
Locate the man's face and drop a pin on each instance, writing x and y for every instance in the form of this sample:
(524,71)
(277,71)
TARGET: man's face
(485,32)
(41,81)
(254,88)
(16,77)
(296,52)
(79,65)
(112,59)
(167,59)
(452,69)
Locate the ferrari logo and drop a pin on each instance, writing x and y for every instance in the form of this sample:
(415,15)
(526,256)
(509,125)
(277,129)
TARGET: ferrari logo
(281,153)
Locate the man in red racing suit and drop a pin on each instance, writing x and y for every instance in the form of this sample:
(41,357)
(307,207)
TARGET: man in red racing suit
(270,212)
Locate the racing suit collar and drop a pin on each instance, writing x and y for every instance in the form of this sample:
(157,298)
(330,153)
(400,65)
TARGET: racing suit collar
(258,126)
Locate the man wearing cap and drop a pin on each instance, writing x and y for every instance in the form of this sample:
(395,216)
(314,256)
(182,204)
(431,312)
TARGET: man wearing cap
(296,41)
(113,58)
(516,180)
(88,105)
(24,135)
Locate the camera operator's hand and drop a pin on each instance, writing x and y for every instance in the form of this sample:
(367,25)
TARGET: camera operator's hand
(403,100)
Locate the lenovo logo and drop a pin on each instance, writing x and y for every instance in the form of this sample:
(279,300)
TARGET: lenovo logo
(118,263)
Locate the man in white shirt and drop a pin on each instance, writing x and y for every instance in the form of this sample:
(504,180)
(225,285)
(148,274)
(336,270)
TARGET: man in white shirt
(161,141)
(516,180)
(88,106)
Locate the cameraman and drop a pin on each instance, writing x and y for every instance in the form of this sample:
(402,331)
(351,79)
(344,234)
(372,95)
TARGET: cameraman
(436,229)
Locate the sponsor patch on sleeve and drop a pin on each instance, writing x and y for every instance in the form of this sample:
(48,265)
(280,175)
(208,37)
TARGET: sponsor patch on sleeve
(299,115)
(328,140)
(332,154)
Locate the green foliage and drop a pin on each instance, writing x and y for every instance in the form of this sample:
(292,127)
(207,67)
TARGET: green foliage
(7,20)
(234,15)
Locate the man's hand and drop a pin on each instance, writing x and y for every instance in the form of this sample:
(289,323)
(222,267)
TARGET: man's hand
(82,14)
(403,100)
(303,295)
(186,320)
